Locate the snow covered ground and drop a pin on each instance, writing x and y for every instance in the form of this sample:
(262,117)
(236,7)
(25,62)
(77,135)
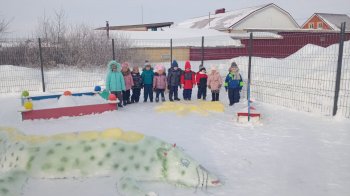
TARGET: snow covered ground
(288,153)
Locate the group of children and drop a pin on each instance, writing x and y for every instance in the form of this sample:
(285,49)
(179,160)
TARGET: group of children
(127,84)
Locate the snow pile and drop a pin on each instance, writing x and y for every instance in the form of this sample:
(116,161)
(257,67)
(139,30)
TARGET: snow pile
(66,101)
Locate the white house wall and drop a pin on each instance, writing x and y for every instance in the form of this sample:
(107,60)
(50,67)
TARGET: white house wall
(270,17)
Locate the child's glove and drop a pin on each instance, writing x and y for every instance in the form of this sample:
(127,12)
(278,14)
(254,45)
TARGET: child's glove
(209,86)
(220,86)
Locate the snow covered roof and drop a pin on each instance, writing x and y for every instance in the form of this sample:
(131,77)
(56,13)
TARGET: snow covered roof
(226,20)
(182,37)
(256,35)
(335,20)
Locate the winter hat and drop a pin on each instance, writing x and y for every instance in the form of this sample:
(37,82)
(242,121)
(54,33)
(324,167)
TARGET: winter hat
(202,68)
(213,67)
(187,65)
(234,64)
(147,63)
(125,65)
(174,64)
(159,67)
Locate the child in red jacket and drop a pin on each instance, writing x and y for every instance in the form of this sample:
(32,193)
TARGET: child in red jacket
(202,78)
(188,80)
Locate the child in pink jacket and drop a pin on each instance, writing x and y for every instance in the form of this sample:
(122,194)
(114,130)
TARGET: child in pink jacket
(214,83)
(159,82)
(129,82)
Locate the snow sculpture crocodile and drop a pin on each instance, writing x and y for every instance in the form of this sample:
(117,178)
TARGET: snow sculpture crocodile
(129,156)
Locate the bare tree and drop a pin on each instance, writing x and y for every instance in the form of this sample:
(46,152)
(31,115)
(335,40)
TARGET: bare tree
(59,25)
(43,29)
(4,24)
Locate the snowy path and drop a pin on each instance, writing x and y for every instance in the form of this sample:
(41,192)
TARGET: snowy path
(291,153)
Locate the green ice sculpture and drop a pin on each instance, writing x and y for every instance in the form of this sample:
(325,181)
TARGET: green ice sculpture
(130,156)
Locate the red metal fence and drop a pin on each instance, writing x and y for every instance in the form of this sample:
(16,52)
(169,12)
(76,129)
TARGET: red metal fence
(270,48)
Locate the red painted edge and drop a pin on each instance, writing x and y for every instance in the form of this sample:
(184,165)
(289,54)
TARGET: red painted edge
(68,111)
(246,114)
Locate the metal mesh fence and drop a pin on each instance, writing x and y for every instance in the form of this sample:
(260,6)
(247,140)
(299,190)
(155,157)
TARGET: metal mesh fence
(19,65)
(303,81)
(72,64)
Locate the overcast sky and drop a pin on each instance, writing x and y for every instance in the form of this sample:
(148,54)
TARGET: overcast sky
(25,13)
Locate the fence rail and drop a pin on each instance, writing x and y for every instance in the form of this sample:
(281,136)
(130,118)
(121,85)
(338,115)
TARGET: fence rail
(297,71)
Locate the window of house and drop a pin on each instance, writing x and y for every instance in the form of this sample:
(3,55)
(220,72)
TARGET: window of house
(311,25)
(320,25)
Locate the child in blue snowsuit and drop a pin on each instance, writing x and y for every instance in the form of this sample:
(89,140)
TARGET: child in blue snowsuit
(233,84)
(147,80)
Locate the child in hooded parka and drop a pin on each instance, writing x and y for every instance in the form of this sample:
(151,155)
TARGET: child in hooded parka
(136,88)
(129,82)
(160,82)
(115,81)
(214,83)
(147,80)
(233,84)
(188,80)
(174,81)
